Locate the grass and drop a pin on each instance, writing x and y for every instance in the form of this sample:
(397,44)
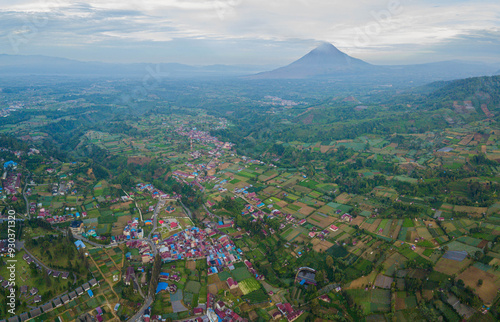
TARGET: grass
(240,274)
(223,276)
(257,296)
(249,285)
(425,244)
(408,223)
(428,252)
(192,287)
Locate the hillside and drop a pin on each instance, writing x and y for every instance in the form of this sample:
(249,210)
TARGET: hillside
(486,88)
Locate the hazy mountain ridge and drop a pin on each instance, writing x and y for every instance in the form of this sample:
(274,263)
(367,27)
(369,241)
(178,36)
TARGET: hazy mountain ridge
(326,61)
(323,62)
(45,65)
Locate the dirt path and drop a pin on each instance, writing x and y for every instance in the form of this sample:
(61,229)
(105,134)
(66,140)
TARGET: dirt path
(111,307)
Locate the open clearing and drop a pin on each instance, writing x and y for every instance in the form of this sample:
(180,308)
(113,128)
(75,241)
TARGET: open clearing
(488,291)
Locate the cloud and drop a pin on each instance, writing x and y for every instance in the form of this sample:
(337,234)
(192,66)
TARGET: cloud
(369,28)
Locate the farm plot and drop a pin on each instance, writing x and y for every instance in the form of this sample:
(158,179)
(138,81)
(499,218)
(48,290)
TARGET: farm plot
(470,241)
(373,227)
(249,285)
(322,246)
(192,287)
(372,301)
(320,220)
(240,274)
(455,245)
(450,267)
(423,232)
(304,210)
(473,211)
(488,291)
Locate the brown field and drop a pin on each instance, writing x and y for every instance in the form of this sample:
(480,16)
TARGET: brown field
(305,210)
(488,291)
(383,281)
(470,210)
(325,148)
(365,225)
(362,281)
(300,238)
(282,204)
(375,225)
(327,210)
(482,244)
(213,279)
(446,207)
(322,246)
(343,198)
(241,184)
(236,292)
(320,221)
(466,140)
(224,166)
(252,314)
(191,265)
(427,294)
(450,267)
(400,304)
(120,224)
(122,205)
(413,236)
(222,285)
(212,288)
(357,221)
(138,160)
(271,191)
(395,233)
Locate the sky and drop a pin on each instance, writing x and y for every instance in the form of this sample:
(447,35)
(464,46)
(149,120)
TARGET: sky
(251,32)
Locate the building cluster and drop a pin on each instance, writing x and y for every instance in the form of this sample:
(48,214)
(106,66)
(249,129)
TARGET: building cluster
(156,193)
(287,311)
(226,314)
(11,182)
(131,231)
(145,252)
(253,271)
(54,304)
(195,243)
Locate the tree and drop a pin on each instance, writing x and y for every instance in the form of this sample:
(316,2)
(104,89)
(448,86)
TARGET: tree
(479,282)
(319,277)
(329,261)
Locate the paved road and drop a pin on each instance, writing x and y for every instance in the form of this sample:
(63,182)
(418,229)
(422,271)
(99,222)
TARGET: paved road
(186,210)
(138,316)
(25,198)
(147,303)
(209,212)
(140,212)
(158,208)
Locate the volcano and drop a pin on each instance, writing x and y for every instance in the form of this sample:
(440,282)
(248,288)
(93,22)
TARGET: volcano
(325,60)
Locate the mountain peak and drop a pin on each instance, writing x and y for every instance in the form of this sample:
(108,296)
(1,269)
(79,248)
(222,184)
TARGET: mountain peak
(326,48)
(324,60)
